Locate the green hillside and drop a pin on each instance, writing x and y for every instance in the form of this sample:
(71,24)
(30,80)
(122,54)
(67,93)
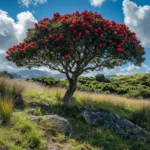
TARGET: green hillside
(131,86)
(17,132)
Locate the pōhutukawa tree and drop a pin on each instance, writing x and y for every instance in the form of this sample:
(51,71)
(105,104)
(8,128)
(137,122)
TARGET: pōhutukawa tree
(75,43)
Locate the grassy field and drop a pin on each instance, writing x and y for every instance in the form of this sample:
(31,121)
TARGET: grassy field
(130,86)
(20,134)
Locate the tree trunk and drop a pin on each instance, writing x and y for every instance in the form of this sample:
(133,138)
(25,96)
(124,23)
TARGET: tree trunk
(70,91)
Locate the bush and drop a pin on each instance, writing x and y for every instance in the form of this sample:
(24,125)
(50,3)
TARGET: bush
(48,81)
(133,86)
(100,77)
(34,141)
(6,108)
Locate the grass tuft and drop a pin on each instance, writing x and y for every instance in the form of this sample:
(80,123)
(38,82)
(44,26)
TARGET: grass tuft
(6,109)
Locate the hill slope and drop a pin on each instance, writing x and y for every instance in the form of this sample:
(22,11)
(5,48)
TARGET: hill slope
(21,134)
(132,86)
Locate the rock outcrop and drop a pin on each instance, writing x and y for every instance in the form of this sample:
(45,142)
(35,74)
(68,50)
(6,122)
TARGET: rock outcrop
(61,124)
(123,127)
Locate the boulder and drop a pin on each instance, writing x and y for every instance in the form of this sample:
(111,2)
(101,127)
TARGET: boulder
(32,111)
(123,127)
(61,124)
(37,119)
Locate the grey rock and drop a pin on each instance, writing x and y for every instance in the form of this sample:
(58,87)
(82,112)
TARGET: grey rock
(121,126)
(59,123)
(51,147)
(32,111)
(37,119)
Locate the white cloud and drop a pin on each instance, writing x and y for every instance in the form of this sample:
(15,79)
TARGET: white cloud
(33,2)
(125,70)
(138,19)
(12,33)
(98,3)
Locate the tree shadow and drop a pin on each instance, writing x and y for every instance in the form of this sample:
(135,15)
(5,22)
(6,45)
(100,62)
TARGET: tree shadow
(97,136)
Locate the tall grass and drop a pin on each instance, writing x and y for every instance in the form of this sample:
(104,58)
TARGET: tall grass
(11,88)
(86,97)
(6,109)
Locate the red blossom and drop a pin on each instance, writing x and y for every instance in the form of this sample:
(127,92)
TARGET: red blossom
(36,25)
(90,17)
(71,48)
(96,30)
(66,56)
(74,39)
(80,34)
(77,12)
(44,27)
(87,31)
(101,35)
(120,49)
(74,31)
(61,36)
(71,26)
(80,25)
(99,29)
(100,45)
(83,24)
(115,33)
(143,52)
(50,36)
(7,57)
(90,26)
(110,26)
(64,20)
(46,41)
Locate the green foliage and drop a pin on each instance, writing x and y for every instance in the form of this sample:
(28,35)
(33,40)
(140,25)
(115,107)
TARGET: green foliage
(6,109)
(132,86)
(46,81)
(100,77)
(142,117)
(34,141)
(12,90)
(75,43)
(23,134)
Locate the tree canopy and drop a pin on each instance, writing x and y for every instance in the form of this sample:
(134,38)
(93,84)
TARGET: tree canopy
(78,42)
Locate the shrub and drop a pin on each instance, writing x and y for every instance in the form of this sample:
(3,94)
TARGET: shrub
(100,77)
(6,108)
(34,141)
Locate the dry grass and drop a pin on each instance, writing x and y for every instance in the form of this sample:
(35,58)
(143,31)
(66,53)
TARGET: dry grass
(6,109)
(116,99)
(55,92)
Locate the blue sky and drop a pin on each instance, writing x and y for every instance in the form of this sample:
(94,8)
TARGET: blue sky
(18,15)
